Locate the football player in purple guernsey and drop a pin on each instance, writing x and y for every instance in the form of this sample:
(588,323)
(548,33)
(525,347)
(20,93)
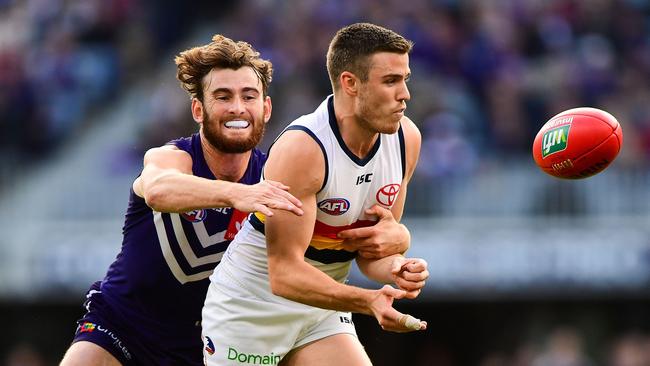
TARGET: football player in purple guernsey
(185,208)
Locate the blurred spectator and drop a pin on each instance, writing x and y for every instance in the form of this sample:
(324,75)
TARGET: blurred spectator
(630,349)
(563,348)
(24,355)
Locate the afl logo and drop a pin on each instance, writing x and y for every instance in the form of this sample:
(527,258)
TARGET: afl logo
(386,195)
(194,216)
(334,206)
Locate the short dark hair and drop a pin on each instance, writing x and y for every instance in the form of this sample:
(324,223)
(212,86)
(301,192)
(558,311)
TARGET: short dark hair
(223,53)
(353,45)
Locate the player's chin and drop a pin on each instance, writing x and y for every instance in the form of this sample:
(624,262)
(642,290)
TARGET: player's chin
(393,123)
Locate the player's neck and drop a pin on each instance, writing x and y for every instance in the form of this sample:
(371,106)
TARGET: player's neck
(225,166)
(358,138)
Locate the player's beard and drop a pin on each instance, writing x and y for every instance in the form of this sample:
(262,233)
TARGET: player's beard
(372,116)
(212,132)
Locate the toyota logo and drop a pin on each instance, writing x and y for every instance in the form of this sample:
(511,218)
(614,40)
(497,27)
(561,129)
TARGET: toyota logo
(386,194)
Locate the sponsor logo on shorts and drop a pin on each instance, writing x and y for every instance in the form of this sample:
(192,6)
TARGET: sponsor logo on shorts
(209,346)
(345,320)
(87,327)
(253,358)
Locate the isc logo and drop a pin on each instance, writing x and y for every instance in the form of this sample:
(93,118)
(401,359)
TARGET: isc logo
(334,206)
(555,140)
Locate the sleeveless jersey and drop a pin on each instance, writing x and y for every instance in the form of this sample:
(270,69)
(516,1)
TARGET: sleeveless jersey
(351,186)
(156,286)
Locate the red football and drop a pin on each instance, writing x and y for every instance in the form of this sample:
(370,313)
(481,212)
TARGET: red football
(577,143)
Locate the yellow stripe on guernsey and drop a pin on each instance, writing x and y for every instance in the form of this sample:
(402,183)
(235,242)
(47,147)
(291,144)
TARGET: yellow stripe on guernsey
(325,236)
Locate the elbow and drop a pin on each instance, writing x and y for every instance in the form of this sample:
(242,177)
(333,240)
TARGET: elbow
(279,286)
(154,197)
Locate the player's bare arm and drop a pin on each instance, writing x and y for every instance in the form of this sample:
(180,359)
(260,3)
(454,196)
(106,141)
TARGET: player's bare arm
(168,185)
(297,160)
(407,273)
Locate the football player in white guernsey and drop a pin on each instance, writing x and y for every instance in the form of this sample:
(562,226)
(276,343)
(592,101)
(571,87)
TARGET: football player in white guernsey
(346,161)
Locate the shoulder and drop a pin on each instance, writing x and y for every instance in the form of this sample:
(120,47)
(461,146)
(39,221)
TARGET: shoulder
(411,131)
(412,142)
(168,155)
(296,158)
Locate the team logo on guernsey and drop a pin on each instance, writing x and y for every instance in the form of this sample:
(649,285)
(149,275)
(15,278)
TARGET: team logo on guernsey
(386,195)
(195,216)
(334,206)
(209,346)
(86,327)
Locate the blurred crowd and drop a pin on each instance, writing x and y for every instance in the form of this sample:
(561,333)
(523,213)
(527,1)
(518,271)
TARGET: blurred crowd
(62,61)
(486,74)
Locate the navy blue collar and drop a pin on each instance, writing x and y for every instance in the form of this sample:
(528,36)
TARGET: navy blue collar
(335,128)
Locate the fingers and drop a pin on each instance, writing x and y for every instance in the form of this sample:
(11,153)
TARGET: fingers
(398,264)
(393,292)
(416,265)
(281,199)
(357,233)
(380,212)
(287,207)
(277,184)
(410,295)
(413,277)
(281,190)
(412,265)
(411,323)
(410,276)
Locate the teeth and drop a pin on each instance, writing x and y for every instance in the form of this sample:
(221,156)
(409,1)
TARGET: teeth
(237,124)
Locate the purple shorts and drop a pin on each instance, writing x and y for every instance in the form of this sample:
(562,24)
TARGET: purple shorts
(132,346)
(92,327)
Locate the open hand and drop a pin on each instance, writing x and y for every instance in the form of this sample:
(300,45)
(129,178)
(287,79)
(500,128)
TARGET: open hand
(389,318)
(265,195)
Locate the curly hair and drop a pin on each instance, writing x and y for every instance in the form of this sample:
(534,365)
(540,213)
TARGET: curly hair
(353,45)
(223,53)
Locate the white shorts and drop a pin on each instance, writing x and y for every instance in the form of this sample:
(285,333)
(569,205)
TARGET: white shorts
(245,324)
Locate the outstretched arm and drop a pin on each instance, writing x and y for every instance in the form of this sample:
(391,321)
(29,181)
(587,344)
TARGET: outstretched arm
(168,185)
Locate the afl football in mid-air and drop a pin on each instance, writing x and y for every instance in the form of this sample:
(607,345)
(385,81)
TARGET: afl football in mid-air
(577,143)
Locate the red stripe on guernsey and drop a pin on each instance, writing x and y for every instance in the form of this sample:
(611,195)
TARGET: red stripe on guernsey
(326,231)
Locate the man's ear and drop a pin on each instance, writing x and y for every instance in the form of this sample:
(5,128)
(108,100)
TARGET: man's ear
(349,83)
(267,109)
(197,110)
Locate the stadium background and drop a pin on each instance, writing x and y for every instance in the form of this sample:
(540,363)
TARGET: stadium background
(525,269)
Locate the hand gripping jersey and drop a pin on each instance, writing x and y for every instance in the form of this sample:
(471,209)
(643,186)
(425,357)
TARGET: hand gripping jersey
(351,186)
(154,290)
